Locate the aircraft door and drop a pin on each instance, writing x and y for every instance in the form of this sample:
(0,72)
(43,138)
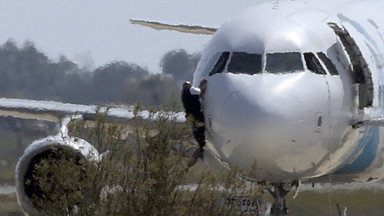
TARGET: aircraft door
(361,74)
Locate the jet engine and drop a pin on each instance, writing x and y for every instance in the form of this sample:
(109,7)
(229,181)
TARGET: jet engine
(29,188)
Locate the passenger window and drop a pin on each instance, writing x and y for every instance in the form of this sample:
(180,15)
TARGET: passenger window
(328,63)
(313,64)
(220,64)
(245,63)
(284,62)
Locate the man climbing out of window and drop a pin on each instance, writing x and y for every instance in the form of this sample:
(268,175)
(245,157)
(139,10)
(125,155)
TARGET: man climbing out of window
(190,97)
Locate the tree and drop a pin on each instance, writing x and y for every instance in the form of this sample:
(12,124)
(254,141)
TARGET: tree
(26,72)
(156,90)
(179,64)
(111,81)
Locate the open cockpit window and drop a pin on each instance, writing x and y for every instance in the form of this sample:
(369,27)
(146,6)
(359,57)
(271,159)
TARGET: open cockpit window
(245,63)
(313,64)
(220,64)
(284,62)
(328,63)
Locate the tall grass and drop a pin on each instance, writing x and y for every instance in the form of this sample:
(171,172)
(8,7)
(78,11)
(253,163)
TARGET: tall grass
(145,171)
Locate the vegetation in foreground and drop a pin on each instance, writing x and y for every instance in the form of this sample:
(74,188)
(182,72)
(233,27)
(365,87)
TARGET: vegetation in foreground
(143,173)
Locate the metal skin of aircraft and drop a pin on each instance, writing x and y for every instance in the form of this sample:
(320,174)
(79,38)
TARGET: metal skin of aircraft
(293,86)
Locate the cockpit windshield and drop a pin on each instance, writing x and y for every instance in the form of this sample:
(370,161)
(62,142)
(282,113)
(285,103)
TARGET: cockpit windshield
(220,64)
(245,63)
(284,62)
(252,63)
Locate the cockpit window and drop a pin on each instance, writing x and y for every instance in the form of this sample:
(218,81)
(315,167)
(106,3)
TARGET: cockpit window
(328,63)
(245,63)
(284,62)
(313,64)
(220,64)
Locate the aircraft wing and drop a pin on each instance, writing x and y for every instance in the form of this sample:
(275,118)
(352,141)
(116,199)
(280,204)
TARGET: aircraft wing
(180,28)
(55,111)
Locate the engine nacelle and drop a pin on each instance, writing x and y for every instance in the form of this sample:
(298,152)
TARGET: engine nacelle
(71,149)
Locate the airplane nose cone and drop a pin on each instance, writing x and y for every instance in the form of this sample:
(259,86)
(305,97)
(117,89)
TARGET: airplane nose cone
(260,123)
(261,119)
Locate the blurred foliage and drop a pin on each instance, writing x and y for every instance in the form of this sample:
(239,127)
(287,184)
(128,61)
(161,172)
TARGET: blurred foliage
(26,72)
(141,173)
(155,90)
(111,81)
(179,64)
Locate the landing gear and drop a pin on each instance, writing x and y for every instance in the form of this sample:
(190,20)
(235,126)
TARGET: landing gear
(279,191)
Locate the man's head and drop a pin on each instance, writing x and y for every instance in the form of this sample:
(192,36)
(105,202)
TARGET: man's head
(187,84)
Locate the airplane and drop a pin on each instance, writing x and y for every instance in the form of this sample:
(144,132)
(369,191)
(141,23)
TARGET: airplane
(295,86)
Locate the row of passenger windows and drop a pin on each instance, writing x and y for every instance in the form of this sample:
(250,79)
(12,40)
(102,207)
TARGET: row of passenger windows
(252,63)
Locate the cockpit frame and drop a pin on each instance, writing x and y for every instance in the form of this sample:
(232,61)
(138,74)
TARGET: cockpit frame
(273,63)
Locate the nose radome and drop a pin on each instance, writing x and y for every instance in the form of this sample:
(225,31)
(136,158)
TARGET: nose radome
(279,121)
(263,126)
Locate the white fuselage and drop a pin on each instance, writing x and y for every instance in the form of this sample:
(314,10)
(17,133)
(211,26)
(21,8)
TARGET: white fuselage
(265,103)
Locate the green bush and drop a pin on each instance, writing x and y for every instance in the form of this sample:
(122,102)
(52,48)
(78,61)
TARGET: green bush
(145,171)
